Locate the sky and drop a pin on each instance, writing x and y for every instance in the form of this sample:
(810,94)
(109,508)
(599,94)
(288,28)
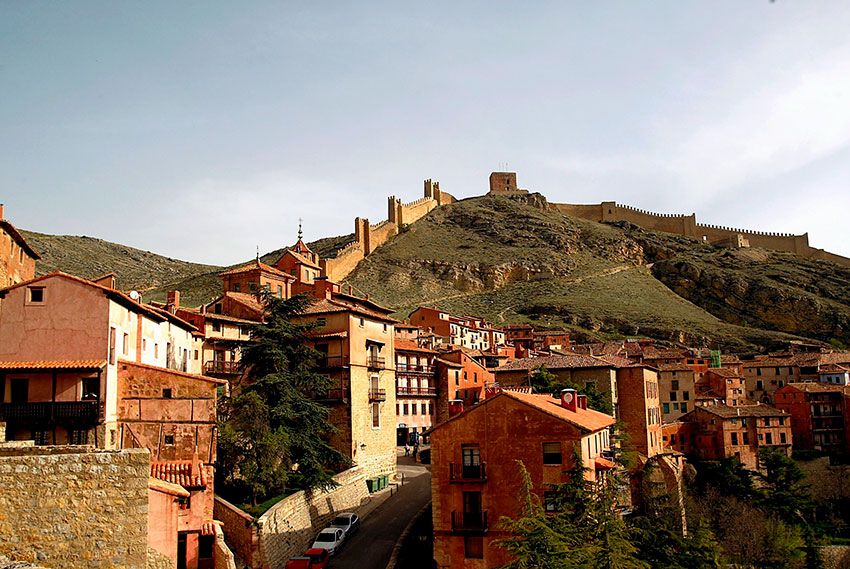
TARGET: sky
(203,130)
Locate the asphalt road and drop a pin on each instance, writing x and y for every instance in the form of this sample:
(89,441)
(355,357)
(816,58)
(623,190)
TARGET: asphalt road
(372,546)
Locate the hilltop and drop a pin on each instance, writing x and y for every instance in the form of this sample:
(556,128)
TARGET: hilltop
(516,261)
(513,262)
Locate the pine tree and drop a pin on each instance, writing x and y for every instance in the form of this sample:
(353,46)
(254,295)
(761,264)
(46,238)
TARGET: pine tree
(272,432)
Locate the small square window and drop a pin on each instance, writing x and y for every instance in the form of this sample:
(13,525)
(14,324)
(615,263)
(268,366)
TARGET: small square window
(36,294)
(166,393)
(169,439)
(551,453)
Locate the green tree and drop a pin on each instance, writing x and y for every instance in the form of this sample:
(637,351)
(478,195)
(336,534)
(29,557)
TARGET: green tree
(544,381)
(274,432)
(782,489)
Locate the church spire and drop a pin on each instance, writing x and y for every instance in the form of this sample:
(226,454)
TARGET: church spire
(300,233)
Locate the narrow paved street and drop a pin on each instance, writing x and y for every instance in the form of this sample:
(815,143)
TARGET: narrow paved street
(372,546)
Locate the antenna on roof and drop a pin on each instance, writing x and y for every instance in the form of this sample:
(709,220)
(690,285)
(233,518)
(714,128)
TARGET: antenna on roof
(300,233)
(258,252)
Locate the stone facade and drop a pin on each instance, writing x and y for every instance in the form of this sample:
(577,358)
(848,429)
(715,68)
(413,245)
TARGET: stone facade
(74,503)
(288,527)
(17,258)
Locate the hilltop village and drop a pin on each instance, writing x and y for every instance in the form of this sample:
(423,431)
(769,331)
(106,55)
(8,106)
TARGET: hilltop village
(109,406)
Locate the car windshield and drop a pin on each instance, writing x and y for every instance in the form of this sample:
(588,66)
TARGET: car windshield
(316,557)
(326,537)
(340,521)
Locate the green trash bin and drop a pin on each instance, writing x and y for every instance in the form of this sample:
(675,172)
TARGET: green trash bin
(381,484)
(370,484)
(386,480)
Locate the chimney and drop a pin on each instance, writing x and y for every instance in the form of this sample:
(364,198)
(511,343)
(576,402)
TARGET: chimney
(582,401)
(568,399)
(1,212)
(455,407)
(350,290)
(173,301)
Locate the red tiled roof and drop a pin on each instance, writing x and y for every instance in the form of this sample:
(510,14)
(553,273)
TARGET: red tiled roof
(586,419)
(19,239)
(724,372)
(564,362)
(256,265)
(402,345)
(812,387)
(604,464)
(246,299)
(167,487)
(54,364)
(728,412)
(179,472)
(674,367)
(340,303)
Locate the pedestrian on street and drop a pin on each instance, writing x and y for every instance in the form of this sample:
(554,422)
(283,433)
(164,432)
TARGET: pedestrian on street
(415,450)
(406,450)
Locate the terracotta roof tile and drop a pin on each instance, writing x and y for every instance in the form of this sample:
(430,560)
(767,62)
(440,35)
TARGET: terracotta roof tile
(54,364)
(167,487)
(402,345)
(812,387)
(179,472)
(586,419)
(726,412)
(257,265)
(564,362)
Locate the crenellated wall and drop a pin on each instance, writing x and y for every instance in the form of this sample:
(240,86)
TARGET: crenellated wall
(687,225)
(369,237)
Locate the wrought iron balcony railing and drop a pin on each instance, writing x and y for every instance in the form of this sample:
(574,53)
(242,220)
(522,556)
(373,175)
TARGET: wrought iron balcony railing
(416,391)
(80,412)
(467,472)
(377,395)
(469,522)
(221,368)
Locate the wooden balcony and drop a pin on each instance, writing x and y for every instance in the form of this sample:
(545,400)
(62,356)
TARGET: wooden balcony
(469,522)
(215,368)
(405,391)
(467,473)
(374,362)
(377,395)
(68,412)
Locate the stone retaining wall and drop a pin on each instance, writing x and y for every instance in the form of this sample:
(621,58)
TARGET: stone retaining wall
(288,527)
(74,503)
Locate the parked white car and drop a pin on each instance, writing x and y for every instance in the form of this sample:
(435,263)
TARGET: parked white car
(329,538)
(348,522)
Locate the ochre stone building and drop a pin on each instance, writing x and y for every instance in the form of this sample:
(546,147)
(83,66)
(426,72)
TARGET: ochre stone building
(475,473)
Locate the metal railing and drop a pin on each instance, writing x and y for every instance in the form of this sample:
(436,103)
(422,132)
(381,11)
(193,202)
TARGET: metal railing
(377,395)
(467,472)
(221,367)
(416,391)
(66,411)
(337,392)
(469,522)
(376,363)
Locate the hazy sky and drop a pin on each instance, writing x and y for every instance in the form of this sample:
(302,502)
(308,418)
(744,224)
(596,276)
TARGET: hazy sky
(200,130)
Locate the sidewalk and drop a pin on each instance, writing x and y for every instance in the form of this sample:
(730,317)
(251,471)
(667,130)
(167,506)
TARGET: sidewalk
(408,468)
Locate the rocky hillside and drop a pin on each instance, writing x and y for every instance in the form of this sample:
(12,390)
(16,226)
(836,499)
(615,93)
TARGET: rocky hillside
(151,274)
(520,262)
(513,262)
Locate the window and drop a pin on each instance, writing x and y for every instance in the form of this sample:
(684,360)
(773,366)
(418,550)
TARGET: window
(675,407)
(760,385)
(674,385)
(166,393)
(36,294)
(205,546)
(91,388)
(782,438)
(758,371)
(424,408)
(673,396)
(735,439)
(376,415)
(684,407)
(413,410)
(430,408)
(781,421)
(551,453)
(475,377)
(777,371)
(746,438)
(196,355)
(169,439)
(767,421)
(385,327)
(112,339)
(686,395)
(125,344)
(216,327)
(279,291)
(404,409)
(217,308)
(666,407)
(768,438)
(237,287)
(361,322)
(457,379)
(473,547)
(78,437)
